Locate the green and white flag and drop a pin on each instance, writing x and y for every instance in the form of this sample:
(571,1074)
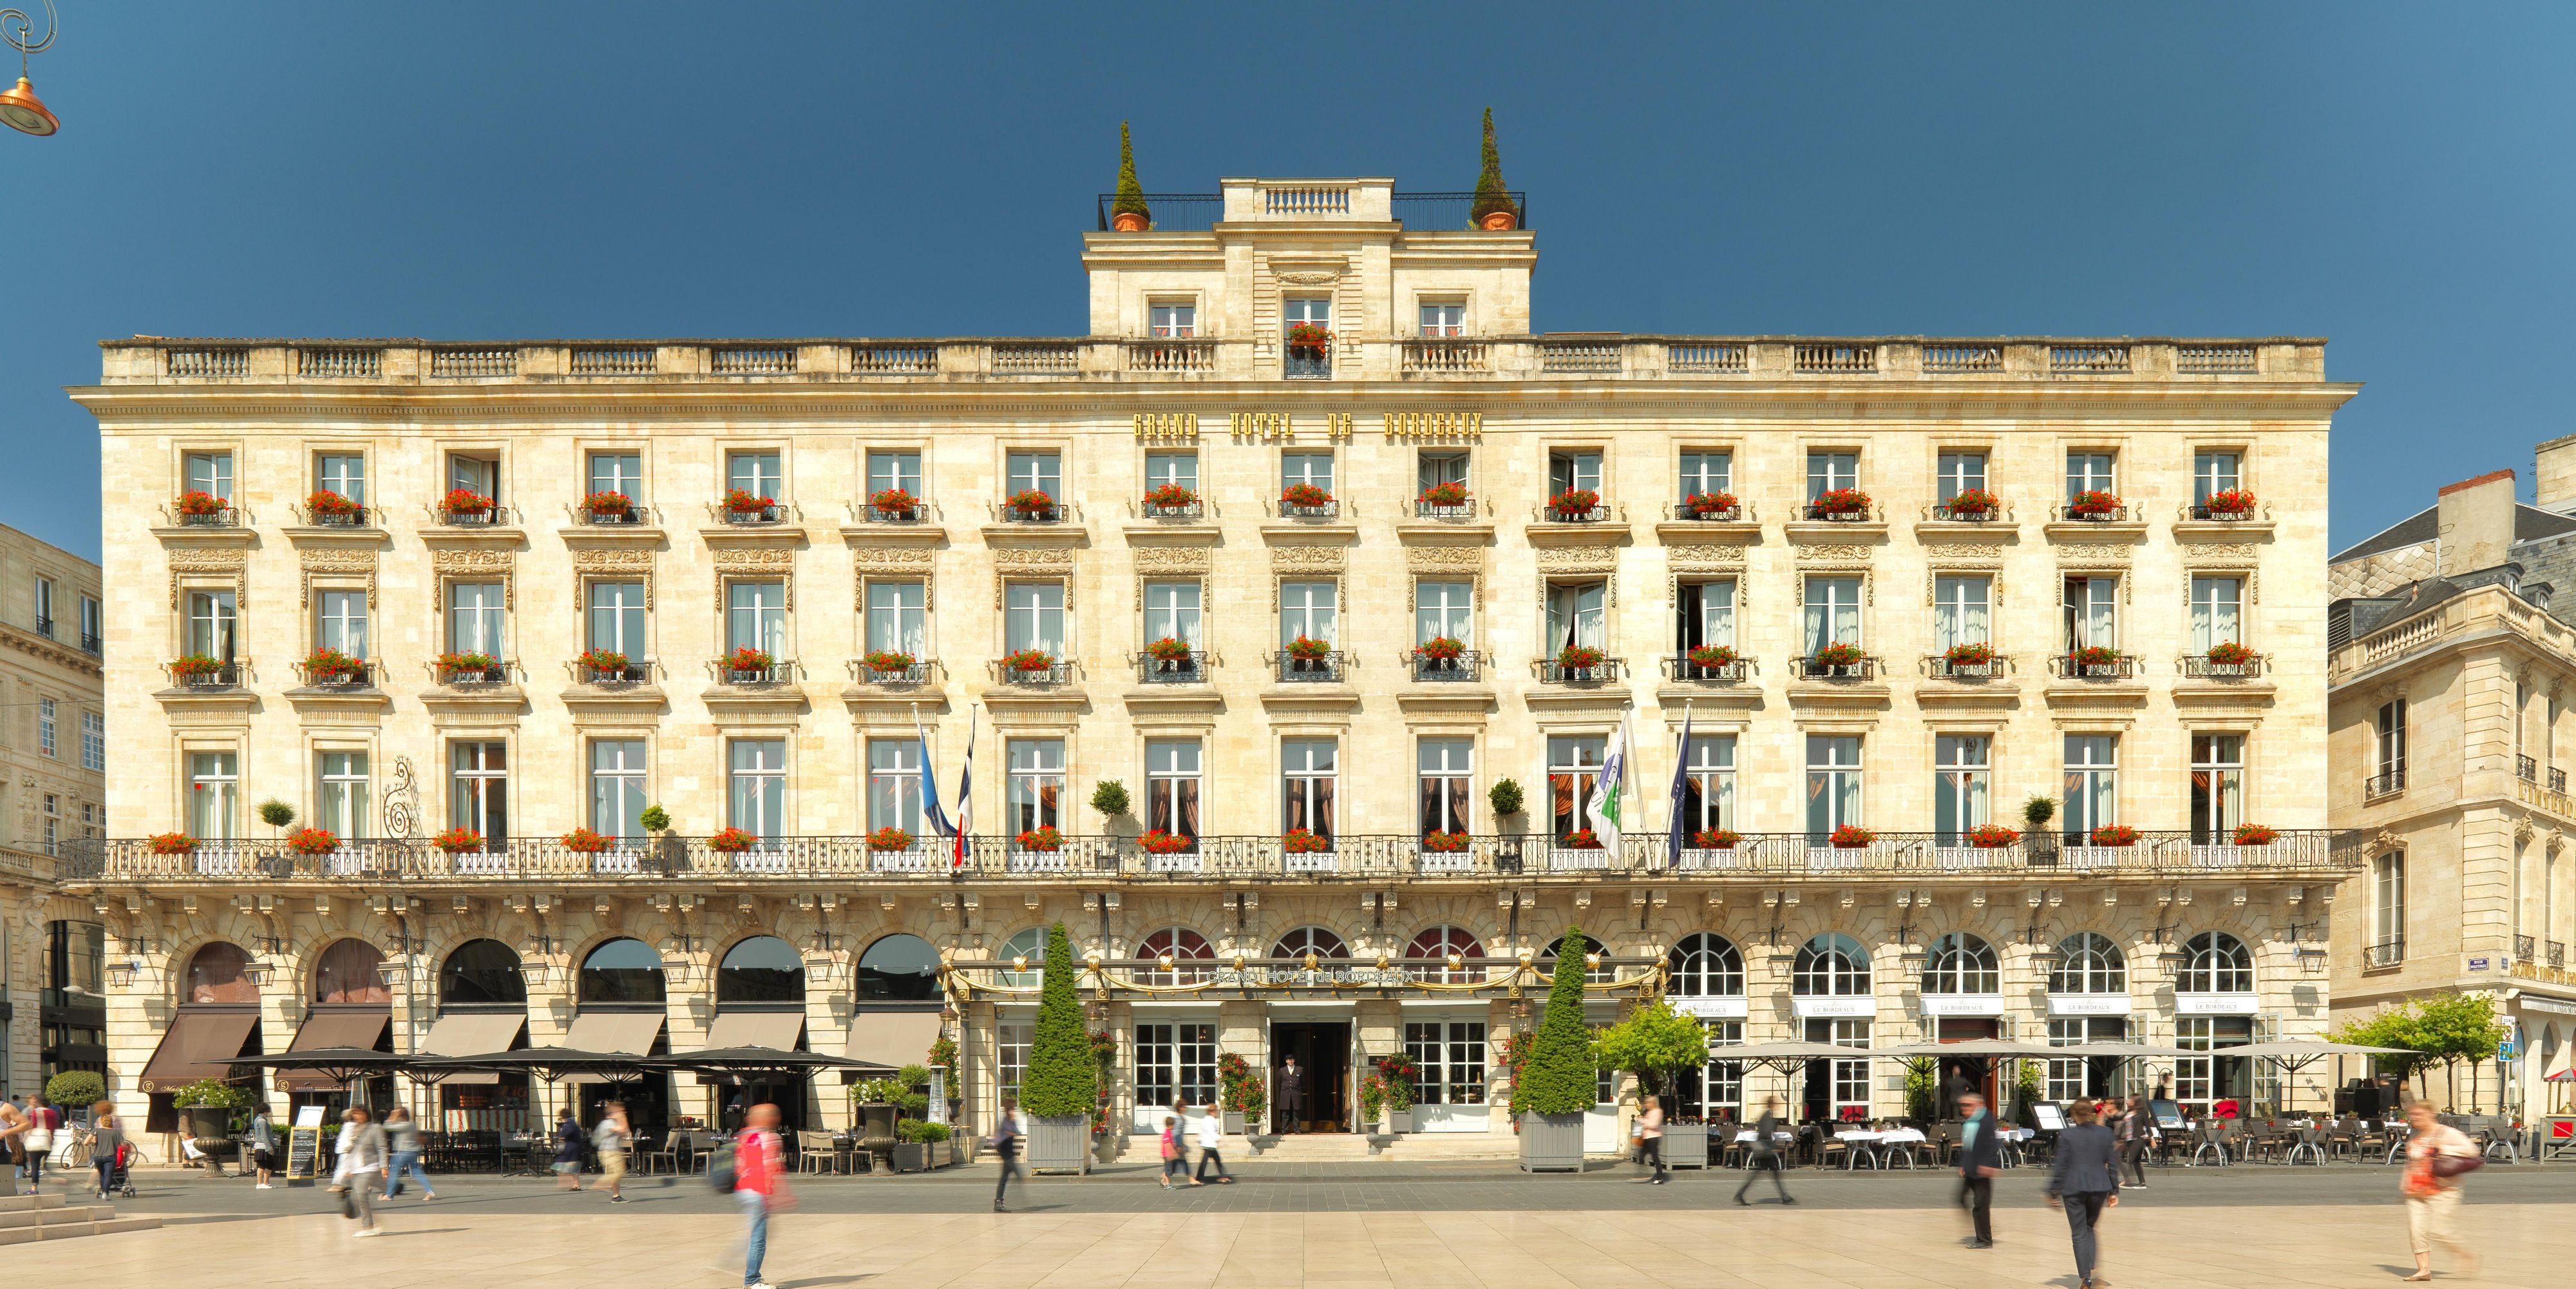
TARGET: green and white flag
(1610,797)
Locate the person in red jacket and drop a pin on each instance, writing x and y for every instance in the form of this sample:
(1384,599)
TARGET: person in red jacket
(760,1185)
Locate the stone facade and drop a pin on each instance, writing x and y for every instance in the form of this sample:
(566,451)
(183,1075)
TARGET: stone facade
(1190,374)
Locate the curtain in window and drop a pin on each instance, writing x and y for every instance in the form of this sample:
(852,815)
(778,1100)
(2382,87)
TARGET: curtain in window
(1574,614)
(2089,603)
(1569,471)
(1035,617)
(1172,610)
(1172,787)
(1437,468)
(1832,612)
(2216,609)
(756,617)
(894,470)
(1959,611)
(895,618)
(894,784)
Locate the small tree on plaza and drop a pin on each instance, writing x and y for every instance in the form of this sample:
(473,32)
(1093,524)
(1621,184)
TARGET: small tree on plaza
(1062,1079)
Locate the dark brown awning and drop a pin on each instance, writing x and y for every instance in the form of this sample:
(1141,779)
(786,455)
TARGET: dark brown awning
(200,1044)
(358,1027)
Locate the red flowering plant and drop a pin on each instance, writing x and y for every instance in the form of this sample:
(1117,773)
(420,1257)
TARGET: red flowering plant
(1716,839)
(312,841)
(1713,657)
(1160,842)
(2094,656)
(887,662)
(1991,836)
(2256,835)
(608,505)
(195,665)
(458,840)
(1308,338)
(583,841)
(1974,501)
(1024,660)
(894,501)
(1043,839)
(326,504)
(469,665)
(731,841)
(171,843)
(747,658)
(1579,839)
(1444,843)
(2235,503)
(1840,503)
(465,501)
(1171,496)
(1837,654)
(1305,495)
(330,664)
(1444,494)
(1969,655)
(1169,649)
(1305,841)
(2115,835)
(1578,658)
(1853,837)
(889,838)
(196,504)
(2231,654)
(1441,649)
(2094,503)
(1029,503)
(604,663)
(1307,649)
(1574,503)
(739,502)
(1709,505)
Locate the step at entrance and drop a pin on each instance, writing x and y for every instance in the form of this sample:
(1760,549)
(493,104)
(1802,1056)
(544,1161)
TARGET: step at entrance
(25,1219)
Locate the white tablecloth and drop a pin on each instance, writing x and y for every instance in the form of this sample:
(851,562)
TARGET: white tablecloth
(1748,1134)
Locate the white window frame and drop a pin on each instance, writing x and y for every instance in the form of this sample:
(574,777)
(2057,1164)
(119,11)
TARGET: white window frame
(1958,470)
(1836,784)
(1708,782)
(1034,797)
(478,619)
(894,784)
(1310,779)
(623,475)
(1033,470)
(341,792)
(1171,765)
(1172,319)
(1440,319)
(897,616)
(1962,784)
(1831,470)
(478,789)
(756,615)
(340,620)
(617,780)
(1034,617)
(626,606)
(1444,791)
(2089,470)
(93,741)
(762,472)
(2388,898)
(214,795)
(1834,617)
(1705,471)
(1172,609)
(2217,610)
(2091,795)
(2090,609)
(2218,760)
(1963,609)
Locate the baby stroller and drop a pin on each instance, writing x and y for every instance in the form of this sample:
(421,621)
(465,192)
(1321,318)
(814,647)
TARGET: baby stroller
(120,1173)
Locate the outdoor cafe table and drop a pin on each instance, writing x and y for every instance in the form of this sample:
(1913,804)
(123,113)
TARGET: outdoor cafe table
(1874,1144)
(1745,1137)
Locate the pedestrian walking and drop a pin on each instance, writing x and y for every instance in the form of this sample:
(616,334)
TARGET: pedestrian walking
(1176,1161)
(567,1163)
(2137,1132)
(44,1127)
(263,1145)
(105,1137)
(1650,1140)
(612,1139)
(362,1159)
(1981,1158)
(2084,1179)
(13,1133)
(1005,1142)
(402,1145)
(1765,1155)
(2437,1157)
(1212,1136)
(759,1185)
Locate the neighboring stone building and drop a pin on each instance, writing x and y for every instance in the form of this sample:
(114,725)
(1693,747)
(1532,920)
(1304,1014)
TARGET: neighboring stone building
(2451,677)
(1435,433)
(53,747)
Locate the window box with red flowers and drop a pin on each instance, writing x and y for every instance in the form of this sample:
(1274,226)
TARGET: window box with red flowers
(1976,660)
(1306,340)
(749,666)
(1712,505)
(1971,505)
(2114,836)
(1160,842)
(332,667)
(171,843)
(1839,660)
(1445,843)
(1991,836)
(1713,662)
(1576,506)
(742,507)
(607,666)
(2256,835)
(1030,506)
(2097,662)
(469,669)
(466,506)
(329,508)
(891,666)
(2227,661)
(609,508)
(1305,841)
(197,671)
(2229,504)
(1852,837)
(583,841)
(893,506)
(2096,506)
(889,839)
(458,841)
(1440,649)
(312,841)
(1579,839)
(1310,660)
(1839,505)
(1171,501)
(1716,839)
(202,509)
(1169,649)
(1306,501)
(1039,839)
(731,841)
(1580,663)
(1028,665)
(1444,501)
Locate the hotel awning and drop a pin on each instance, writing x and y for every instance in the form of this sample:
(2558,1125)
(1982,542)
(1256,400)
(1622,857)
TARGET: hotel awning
(894,1036)
(357,1028)
(777,1030)
(472,1034)
(201,1043)
(629,1032)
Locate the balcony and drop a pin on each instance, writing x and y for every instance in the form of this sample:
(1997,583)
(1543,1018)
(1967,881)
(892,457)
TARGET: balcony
(1811,667)
(914,515)
(917,672)
(1311,669)
(2089,514)
(1939,667)
(778,671)
(2526,948)
(2386,783)
(1173,512)
(1030,512)
(2194,666)
(488,515)
(1561,671)
(1418,212)
(631,515)
(1307,364)
(2067,666)
(762,512)
(1597,512)
(2201,513)
(1308,511)
(2557,958)
(1683,512)
(1195,669)
(2526,769)
(455,676)
(1947,513)
(204,674)
(2386,953)
(333,514)
(1679,667)
(201,514)
(1466,668)
(1433,358)
(1836,514)
(1445,512)
(91,643)
(45,627)
(1171,357)
(2558,780)
(339,677)
(1052,674)
(624,672)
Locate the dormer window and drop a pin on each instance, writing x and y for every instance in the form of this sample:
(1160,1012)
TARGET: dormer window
(1173,321)
(1443,320)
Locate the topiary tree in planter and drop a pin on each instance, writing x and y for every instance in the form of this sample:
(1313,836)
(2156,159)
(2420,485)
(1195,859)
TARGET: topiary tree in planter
(1557,1085)
(210,1105)
(1492,198)
(1130,201)
(1063,1081)
(76,1089)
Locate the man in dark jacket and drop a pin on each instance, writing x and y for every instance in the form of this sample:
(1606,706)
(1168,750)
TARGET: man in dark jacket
(1765,1155)
(2086,1180)
(1291,1094)
(1981,1157)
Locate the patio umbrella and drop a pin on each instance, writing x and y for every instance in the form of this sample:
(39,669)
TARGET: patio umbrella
(1785,1056)
(341,1065)
(2001,1047)
(2299,1053)
(734,1060)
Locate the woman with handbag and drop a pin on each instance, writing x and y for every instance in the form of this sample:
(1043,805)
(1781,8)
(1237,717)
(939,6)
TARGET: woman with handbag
(2437,1157)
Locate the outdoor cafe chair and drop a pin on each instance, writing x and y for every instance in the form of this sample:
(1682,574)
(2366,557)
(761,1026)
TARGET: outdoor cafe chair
(814,1153)
(2211,1140)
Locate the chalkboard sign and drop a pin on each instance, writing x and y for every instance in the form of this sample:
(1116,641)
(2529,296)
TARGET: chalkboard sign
(304,1143)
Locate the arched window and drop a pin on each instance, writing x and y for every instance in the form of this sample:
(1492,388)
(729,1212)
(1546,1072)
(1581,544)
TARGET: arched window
(2088,963)
(482,973)
(1598,975)
(762,969)
(1029,944)
(346,973)
(1961,963)
(621,971)
(1176,944)
(899,968)
(220,973)
(1831,964)
(2216,963)
(1310,939)
(1438,945)
(1705,965)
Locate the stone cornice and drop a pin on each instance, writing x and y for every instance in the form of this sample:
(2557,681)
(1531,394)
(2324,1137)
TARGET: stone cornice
(54,651)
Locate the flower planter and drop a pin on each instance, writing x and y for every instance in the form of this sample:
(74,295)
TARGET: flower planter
(1060,1143)
(1552,1142)
(1400,1120)
(1685,1145)
(911,1157)
(1234,1123)
(1127,221)
(1498,221)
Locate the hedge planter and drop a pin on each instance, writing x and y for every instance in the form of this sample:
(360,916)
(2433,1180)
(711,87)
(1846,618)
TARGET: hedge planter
(1060,1144)
(1686,1145)
(1399,1120)
(911,1157)
(1234,1123)
(1552,1142)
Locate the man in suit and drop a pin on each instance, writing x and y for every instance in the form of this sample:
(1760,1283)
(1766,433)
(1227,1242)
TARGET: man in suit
(1981,1157)
(1292,1097)
(2085,1179)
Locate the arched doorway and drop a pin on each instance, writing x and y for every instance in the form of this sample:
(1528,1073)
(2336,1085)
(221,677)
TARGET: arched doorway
(2088,1002)
(1963,999)
(482,1007)
(216,1023)
(1830,990)
(2218,1013)
(351,1007)
(899,995)
(623,1004)
(1704,979)
(760,1002)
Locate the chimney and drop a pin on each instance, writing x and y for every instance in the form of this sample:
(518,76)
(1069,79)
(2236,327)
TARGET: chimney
(2473,525)
(2554,464)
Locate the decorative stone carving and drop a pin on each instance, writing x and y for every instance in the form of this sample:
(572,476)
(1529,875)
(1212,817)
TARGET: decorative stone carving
(2219,553)
(1833,555)
(231,564)
(611,561)
(1319,277)
(1576,559)
(753,559)
(1444,559)
(1712,556)
(1971,553)
(336,561)
(1032,559)
(1306,559)
(1171,559)
(2094,554)
(891,559)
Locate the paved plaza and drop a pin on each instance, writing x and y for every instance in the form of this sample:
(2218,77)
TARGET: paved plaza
(1477,1226)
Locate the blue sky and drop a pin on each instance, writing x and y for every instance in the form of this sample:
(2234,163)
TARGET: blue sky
(2397,179)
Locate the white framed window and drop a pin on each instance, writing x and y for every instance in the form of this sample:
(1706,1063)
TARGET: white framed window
(211,473)
(1832,612)
(1704,613)
(617,620)
(478,790)
(1708,782)
(2217,788)
(1034,470)
(894,784)
(1716,1089)
(1962,610)
(1172,470)
(1831,965)
(1445,784)
(340,801)
(1706,473)
(1961,963)
(897,619)
(1172,611)
(2388,738)
(1442,319)
(1316,310)
(1433,469)
(1573,773)
(2089,472)
(1174,1061)
(2215,471)
(45,726)
(53,824)
(344,473)
(1448,1059)
(2388,898)
(2217,611)
(1029,944)
(212,624)
(2092,782)
(758,473)
(1444,609)
(45,607)
(1036,795)
(618,472)
(1310,779)
(1831,472)
(1173,320)
(1573,470)
(1033,617)
(1575,616)
(477,622)
(1314,468)
(2089,962)
(2215,962)
(341,621)
(1833,784)
(214,795)
(1307,609)
(617,782)
(93,741)
(894,468)
(478,475)
(1957,472)
(2091,608)
(756,617)
(2199,1081)
(757,802)
(93,627)
(1172,786)
(1012,1040)
(1962,784)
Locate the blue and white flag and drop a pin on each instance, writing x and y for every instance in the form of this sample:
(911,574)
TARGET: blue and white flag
(934,819)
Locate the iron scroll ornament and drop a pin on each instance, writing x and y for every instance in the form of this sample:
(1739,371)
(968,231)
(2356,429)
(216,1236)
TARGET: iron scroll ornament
(402,802)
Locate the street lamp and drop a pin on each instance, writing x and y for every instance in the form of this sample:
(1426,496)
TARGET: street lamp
(19,106)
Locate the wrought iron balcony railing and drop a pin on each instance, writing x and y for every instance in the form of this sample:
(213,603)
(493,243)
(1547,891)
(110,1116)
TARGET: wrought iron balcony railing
(2067,666)
(1467,666)
(780,671)
(635,671)
(2385,953)
(1195,669)
(2526,769)
(472,677)
(748,516)
(45,627)
(1680,667)
(1809,667)
(2526,947)
(921,671)
(1055,673)
(493,516)
(633,515)
(1324,668)
(1559,671)
(2197,666)
(362,676)
(1457,513)
(341,517)
(1598,512)
(2107,515)
(1939,667)
(225,516)
(1739,513)
(2385,783)
(91,643)
(1949,514)
(224,675)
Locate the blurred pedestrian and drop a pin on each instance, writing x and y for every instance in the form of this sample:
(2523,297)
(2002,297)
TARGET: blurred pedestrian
(2137,1132)
(105,1137)
(2437,1156)
(568,1139)
(612,1139)
(44,1128)
(1650,1139)
(362,1160)
(402,1145)
(263,1144)
(760,1186)
(1175,1154)
(2084,1178)
(1765,1155)
(1981,1159)
(1005,1142)
(1211,1137)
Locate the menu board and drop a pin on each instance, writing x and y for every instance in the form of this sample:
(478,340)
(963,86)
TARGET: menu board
(304,1142)
(2052,1116)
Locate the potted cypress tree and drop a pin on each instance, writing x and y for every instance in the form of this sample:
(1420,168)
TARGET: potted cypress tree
(1063,1081)
(1128,212)
(1556,1086)
(1493,211)
(2038,840)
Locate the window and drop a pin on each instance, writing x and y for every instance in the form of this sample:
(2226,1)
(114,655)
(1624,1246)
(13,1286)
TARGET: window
(1180,944)
(1449,1060)
(2088,963)
(1704,614)
(2389,739)
(1831,472)
(2217,612)
(1573,471)
(343,623)
(1840,1089)
(893,468)
(1831,965)
(618,472)
(1961,963)
(478,790)
(1716,1089)
(2090,613)
(1444,609)
(1962,610)
(756,617)
(45,607)
(617,787)
(1175,1061)
(475,619)
(478,475)
(894,784)
(897,619)
(340,805)
(53,823)
(617,619)
(2217,788)
(758,801)
(1031,471)
(1312,468)
(1435,947)
(756,473)
(2072,1077)
(1306,609)
(1962,783)
(1036,795)
(2388,898)
(1172,612)
(1176,321)
(93,627)
(1033,617)
(1707,473)
(1833,784)
(1172,470)
(1705,965)
(1958,472)
(1574,614)
(2216,963)
(1444,319)
(1832,612)
(93,741)
(1011,1042)
(1445,769)
(1172,787)
(2215,472)
(622,971)
(1310,771)
(2202,1080)
(1314,940)
(1029,944)
(1708,783)
(2092,782)
(344,473)
(1312,311)
(1573,771)
(2088,472)
(45,726)
(1433,469)
(211,623)
(214,795)
(211,473)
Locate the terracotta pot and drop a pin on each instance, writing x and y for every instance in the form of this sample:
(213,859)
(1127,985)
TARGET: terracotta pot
(1499,221)
(1127,221)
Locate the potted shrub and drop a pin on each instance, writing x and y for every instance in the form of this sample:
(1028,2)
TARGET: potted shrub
(1241,1095)
(742,506)
(1159,842)
(1444,843)
(457,841)
(731,841)
(889,664)
(210,1105)
(603,664)
(747,665)
(1031,504)
(2231,654)
(1023,662)
(467,667)
(922,1143)
(1658,1043)
(1555,1088)
(1304,496)
(889,838)
(1716,839)
(332,667)
(195,667)
(1109,798)
(1170,499)
(2256,835)
(196,507)
(1398,1076)
(465,503)
(1852,837)
(1305,841)
(1170,651)
(1837,654)
(2092,658)
(583,841)
(1840,504)
(2231,503)
(1573,504)
(1045,839)
(895,504)
(2115,835)
(2039,840)
(1062,1083)
(608,507)
(328,507)
(1991,836)
(1444,495)
(1713,657)
(1307,340)
(1709,505)
(1493,210)
(1576,660)
(2094,504)
(1128,212)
